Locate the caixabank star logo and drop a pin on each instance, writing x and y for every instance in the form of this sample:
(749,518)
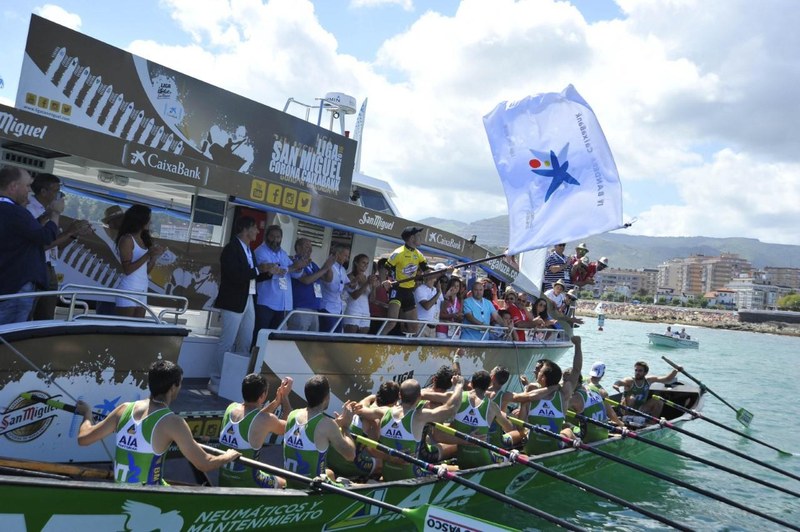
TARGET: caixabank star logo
(548,165)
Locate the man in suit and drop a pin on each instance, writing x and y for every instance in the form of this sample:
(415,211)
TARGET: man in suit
(235,298)
(23,239)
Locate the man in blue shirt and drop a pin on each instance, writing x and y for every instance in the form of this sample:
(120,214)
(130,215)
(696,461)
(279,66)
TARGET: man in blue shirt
(23,239)
(478,311)
(307,288)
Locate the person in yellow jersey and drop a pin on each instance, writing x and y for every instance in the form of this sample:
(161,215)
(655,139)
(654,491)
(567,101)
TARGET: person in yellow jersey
(145,429)
(247,425)
(404,265)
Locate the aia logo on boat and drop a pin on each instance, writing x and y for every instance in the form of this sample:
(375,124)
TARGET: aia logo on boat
(25,420)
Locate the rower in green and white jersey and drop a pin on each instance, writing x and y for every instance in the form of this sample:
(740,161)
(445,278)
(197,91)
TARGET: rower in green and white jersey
(476,412)
(145,429)
(246,426)
(636,389)
(548,408)
(402,425)
(310,433)
(367,461)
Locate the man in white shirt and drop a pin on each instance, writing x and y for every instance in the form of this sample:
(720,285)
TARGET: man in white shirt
(557,307)
(429,299)
(332,287)
(46,194)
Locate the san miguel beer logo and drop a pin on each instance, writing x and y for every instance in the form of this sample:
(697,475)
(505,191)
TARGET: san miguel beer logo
(25,420)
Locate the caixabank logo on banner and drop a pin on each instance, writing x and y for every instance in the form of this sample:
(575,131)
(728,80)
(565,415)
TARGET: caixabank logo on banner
(150,161)
(456,244)
(25,420)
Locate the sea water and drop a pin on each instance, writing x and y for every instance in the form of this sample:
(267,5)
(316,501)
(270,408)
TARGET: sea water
(758,372)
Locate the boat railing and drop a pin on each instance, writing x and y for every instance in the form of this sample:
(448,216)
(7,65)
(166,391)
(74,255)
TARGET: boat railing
(75,297)
(488,332)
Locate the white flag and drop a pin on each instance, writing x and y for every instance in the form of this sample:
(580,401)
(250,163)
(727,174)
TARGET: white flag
(557,170)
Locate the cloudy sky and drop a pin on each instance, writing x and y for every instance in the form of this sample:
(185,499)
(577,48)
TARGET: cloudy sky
(698,98)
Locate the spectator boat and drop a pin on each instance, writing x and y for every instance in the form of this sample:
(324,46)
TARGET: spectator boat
(177,162)
(666,340)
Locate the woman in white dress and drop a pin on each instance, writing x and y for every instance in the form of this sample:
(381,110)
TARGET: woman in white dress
(138,255)
(358,296)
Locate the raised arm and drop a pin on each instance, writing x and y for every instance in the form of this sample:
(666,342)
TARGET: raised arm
(571,382)
(338,431)
(446,411)
(664,378)
(89,433)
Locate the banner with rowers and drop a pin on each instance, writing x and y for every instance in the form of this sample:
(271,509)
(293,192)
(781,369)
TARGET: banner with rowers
(74,78)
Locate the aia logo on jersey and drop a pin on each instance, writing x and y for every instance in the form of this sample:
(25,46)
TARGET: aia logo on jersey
(295,441)
(128,441)
(229,438)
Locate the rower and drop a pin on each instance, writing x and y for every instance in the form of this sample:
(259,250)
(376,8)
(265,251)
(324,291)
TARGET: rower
(476,412)
(367,463)
(593,384)
(145,429)
(246,426)
(401,425)
(590,403)
(549,409)
(499,377)
(309,432)
(637,388)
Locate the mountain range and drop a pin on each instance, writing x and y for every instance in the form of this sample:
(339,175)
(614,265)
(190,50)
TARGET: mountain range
(635,251)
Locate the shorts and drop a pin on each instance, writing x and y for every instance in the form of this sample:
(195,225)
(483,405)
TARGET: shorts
(404,296)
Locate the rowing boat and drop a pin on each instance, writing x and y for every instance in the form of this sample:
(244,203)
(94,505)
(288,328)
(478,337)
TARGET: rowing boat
(61,503)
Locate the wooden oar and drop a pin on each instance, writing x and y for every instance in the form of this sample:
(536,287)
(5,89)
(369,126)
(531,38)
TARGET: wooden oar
(696,414)
(442,472)
(424,517)
(525,460)
(625,433)
(665,423)
(742,416)
(652,472)
(60,469)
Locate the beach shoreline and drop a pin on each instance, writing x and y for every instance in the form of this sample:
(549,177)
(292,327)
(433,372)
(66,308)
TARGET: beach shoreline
(713,319)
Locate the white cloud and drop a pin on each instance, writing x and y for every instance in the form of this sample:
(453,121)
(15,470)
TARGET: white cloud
(60,15)
(407,5)
(695,93)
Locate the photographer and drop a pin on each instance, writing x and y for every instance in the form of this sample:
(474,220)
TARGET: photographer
(429,297)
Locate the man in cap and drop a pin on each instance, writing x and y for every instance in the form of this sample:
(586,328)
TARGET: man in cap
(558,305)
(555,267)
(429,297)
(593,384)
(403,266)
(586,275)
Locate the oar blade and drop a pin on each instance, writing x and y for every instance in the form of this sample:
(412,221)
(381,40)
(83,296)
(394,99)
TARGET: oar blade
(744,417)
(433,518)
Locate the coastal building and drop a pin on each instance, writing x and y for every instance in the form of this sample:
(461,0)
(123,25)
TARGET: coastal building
(752,292)
(789,277)
(625,281)
(698,274)
(723,297)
